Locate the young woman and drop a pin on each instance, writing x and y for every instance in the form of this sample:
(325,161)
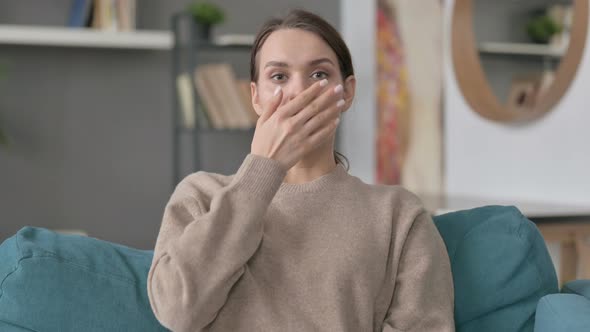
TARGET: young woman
(292,242)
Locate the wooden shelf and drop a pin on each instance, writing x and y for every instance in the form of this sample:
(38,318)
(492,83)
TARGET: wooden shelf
(521,49)
(81,37)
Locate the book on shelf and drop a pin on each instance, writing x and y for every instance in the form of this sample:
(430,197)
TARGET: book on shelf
(219,89)
(80,14)
(126,14)
(229,94)
(205,92)
(186,101)
(221,97)
(562,15)
(108,15)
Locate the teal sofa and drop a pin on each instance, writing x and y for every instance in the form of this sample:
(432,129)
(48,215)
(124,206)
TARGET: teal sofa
(503,276)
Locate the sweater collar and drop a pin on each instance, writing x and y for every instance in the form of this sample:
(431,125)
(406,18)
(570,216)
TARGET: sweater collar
(335,175)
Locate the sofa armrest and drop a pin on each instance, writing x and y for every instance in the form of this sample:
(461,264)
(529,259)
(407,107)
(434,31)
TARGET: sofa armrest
(580,287)
(563,312)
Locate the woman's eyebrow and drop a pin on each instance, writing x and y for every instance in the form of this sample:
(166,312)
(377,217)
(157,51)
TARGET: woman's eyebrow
(286,65)
(276,64)
(321,60)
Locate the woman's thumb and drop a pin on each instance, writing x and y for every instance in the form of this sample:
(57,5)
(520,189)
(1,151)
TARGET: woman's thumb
(274,104)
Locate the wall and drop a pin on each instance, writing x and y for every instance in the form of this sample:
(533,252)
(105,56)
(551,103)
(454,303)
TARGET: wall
(547,160)
(358,127)
(93,127)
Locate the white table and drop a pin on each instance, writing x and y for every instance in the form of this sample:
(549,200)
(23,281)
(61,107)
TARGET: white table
(567,224)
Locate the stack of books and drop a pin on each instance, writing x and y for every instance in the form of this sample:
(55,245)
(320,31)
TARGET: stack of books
(563,16)
(109,15)
(225,101)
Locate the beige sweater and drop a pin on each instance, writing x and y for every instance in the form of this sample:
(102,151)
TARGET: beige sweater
(250,253)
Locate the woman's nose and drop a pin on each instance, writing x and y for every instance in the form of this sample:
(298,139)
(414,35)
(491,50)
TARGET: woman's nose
(295,87)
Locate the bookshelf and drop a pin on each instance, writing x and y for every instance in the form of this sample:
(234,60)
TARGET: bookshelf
(84,37)
(525,49)
(224,143)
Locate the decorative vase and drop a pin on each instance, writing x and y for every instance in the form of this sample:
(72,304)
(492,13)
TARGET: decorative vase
(202,31)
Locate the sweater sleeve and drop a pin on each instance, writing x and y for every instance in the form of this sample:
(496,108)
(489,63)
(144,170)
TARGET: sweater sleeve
(202,249)
(423,296)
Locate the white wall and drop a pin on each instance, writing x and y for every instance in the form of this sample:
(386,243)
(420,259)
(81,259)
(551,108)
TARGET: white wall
(548,160)
(358,127)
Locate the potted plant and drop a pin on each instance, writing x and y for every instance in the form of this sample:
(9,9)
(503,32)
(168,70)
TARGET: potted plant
(206,15)
(541,28)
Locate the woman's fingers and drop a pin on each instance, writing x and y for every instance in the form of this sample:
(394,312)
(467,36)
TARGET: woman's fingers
(273,105)
(323,118)
(321,135)
(303,99)
(326,100)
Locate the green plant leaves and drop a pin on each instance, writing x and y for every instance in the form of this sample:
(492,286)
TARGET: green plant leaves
(541,28)
(206,13)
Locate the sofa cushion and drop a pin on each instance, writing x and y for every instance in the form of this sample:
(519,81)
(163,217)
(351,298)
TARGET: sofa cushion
(55,282)
(501,268)
(580,287)
(563,312)
(5,327)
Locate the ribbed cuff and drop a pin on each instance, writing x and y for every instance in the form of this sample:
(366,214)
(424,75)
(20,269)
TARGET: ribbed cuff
(260,177)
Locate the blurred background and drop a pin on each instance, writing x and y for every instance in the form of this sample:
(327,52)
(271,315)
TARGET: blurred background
(90,119)
(106,104)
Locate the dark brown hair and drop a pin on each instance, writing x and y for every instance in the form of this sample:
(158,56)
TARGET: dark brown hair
(304,20)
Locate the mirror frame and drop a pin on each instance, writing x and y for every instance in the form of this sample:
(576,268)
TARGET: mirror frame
(472,80)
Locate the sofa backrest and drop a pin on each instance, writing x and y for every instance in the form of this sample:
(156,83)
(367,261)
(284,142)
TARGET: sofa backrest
(56,282)
(501,268)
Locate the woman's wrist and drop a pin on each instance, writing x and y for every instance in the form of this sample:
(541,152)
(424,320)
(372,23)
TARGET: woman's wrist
(260,176)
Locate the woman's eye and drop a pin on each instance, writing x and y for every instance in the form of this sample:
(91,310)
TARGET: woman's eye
(319,75)
(278,77)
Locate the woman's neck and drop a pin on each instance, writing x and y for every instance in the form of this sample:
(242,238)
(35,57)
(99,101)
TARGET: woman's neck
(315,164)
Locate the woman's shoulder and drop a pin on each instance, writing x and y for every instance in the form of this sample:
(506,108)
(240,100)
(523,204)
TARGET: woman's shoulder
(390,194)
(389,205)
(389,202)
(399,196)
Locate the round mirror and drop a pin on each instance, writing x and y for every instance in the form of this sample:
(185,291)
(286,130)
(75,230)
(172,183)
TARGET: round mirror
(514,60)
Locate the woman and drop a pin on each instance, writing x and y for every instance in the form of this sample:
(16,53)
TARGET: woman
(292,242)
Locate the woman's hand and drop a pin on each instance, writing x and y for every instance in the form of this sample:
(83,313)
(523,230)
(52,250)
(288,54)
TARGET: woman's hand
(287,133)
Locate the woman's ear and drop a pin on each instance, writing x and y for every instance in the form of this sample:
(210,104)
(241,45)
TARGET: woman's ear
(349,90)
(255,98)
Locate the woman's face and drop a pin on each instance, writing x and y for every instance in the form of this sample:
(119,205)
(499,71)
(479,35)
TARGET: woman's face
(294,59)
